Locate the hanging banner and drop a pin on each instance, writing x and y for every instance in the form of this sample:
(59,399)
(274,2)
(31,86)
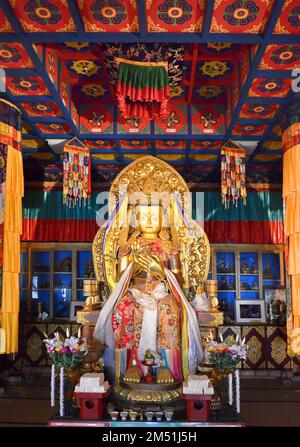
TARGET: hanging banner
(233,174)
(11,193)
(76,173)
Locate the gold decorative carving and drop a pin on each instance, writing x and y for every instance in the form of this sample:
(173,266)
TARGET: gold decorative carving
(131,27)
(154,28)
(141,396)
(98,255)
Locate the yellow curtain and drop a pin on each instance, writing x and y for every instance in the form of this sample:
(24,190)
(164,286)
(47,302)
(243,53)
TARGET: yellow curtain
(10,136)
(291,195)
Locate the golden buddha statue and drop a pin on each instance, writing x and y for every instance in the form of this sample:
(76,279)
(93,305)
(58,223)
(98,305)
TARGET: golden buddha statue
(153,258)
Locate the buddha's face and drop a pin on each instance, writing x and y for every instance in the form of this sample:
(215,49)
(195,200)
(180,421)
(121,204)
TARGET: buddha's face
(149,219)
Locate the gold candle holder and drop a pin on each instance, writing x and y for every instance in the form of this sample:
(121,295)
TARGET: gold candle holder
(212,293)
(91,291)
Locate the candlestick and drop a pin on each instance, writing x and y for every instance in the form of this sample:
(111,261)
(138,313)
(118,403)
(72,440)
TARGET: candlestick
(221,337)
(237,391)
(68,333)
(79,332)
(52,385)
(230,389)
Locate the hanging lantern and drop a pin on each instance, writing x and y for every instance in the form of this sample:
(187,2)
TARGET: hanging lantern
(76,173)
(143,89)
(233,175)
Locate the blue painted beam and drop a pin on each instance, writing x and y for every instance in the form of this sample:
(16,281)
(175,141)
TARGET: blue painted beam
(151,38)
(209,10)
(77,18)
(37,63)
(153,142)
(115,128)
(165,137)
(190,135)
(47,119)
(33,98)
(22,72)
(274,74)
(255,64)
(141,9)
(260,100)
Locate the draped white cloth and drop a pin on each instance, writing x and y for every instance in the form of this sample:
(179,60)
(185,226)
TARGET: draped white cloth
(148,302)
(104,331)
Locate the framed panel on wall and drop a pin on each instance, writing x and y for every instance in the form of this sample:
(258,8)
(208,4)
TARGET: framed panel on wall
(51,279)
(243,272)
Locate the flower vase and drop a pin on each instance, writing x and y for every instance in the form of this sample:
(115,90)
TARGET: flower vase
(218,379)
(71,378)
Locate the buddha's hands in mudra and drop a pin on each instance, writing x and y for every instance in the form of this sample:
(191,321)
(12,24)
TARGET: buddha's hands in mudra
(148,262)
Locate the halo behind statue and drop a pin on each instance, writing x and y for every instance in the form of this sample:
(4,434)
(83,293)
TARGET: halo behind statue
(146,176)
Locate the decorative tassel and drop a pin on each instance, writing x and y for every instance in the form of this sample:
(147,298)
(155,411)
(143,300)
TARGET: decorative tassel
(233,178)
(53,385)
(237,391)
(61,394)
(230,389)
(76,173)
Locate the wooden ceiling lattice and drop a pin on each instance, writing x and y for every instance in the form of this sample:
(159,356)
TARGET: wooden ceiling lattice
(234,79)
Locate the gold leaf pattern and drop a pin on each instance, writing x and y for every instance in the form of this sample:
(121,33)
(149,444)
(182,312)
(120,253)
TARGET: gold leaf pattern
(152,27)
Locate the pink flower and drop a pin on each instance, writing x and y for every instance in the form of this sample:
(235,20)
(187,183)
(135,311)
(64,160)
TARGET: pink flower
(74,351)
(64,350)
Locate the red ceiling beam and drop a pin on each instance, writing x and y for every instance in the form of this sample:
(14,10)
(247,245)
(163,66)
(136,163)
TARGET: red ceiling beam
(193,71)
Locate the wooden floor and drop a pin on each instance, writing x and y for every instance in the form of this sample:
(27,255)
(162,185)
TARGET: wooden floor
(264,402)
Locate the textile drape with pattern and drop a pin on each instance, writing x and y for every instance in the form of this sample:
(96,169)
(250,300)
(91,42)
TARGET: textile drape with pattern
(143,89)
(291,195)
(260,221)
(12,190)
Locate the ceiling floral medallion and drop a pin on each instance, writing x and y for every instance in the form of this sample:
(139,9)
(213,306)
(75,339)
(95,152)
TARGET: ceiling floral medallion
(208,120)
(241,12)
(294,16)
(176,90)
(9,53)
(209,91)
(273,85)
(77,45)
(134,121)
(85,67)
(42,12)
(218,46)
(172,120)
(97,120)
(286,54)
(94,90)
(175,12)
(26,84)
(108,12)
(214,68)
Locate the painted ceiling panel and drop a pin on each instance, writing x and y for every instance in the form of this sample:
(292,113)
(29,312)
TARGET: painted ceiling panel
(173,16)
(44,15)
(109,15)
(240,16)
